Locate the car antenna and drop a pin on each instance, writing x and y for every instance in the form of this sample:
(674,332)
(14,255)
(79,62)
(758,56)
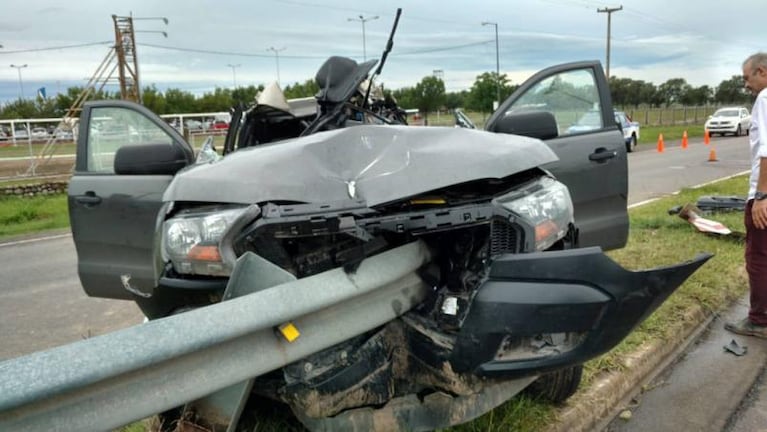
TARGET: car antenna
(386,52)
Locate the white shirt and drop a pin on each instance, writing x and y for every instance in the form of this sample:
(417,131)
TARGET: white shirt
(757,137)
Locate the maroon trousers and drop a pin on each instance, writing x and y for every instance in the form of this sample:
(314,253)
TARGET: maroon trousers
(756,266)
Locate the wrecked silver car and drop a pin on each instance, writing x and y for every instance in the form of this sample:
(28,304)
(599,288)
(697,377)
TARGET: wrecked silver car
(511,223)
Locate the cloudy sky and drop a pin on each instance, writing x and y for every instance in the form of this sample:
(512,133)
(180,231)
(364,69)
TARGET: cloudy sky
(702,41)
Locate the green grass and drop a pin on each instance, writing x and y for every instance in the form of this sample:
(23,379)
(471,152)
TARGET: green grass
(20,215)
(21,149)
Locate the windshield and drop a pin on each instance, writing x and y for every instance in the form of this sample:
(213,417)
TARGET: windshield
(726,113)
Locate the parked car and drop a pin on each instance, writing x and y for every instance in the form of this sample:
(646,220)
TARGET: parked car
(734,120)
(629,128)
(220,125)
(20,134)
(513,292)
(39,133)
(193,125)
(63,134)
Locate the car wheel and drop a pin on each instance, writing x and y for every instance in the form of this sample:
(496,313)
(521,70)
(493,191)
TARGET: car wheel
(632,145)
(738,131)
(557,386)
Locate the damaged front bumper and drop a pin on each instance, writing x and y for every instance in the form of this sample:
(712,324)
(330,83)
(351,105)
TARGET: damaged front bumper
(534,313)
(539,312)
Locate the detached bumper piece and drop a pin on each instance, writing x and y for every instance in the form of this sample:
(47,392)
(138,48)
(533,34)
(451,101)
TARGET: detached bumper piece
(539,312)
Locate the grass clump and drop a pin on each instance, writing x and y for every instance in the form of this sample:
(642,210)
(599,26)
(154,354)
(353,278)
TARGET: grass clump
(23,215)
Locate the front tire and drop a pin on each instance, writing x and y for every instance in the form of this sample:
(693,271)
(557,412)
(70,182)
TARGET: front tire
(738,131)
(632,144)
(557,386)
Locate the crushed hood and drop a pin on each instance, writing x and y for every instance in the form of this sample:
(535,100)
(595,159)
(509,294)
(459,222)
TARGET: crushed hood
(375,164)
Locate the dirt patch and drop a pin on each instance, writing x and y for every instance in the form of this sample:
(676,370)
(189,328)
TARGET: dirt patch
(19,169)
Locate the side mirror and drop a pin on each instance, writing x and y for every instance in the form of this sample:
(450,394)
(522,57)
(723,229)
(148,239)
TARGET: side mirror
(534,124)
(150,159)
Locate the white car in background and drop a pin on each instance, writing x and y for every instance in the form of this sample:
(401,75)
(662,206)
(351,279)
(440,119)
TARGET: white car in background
(630,130)
(734,120)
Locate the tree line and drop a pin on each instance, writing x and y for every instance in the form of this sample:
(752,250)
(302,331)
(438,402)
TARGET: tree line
(427,95)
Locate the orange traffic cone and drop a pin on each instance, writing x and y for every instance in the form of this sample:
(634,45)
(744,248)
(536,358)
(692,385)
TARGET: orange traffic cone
(661,147)
(706,138)
(684,140)
(712,155)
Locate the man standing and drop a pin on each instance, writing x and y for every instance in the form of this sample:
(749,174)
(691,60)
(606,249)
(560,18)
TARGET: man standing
(755,80)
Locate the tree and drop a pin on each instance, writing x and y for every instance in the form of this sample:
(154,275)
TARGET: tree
(179,101)
(19,109)
(405,97)
(672,90)
(154,100)
(455,100)
(299,90)
(697,96)
(219,100)
(429,95)
(484,91)
(731,91)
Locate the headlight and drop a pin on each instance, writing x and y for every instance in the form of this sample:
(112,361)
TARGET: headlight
(192,241)
(546,205)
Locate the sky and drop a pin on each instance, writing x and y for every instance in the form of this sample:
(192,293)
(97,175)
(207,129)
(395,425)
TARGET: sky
(226,42)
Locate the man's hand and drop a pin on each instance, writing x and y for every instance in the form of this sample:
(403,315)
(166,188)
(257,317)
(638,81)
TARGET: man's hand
(759,213)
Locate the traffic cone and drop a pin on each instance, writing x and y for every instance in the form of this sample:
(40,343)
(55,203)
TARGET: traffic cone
(712,155)
(661,147)
(706,138)
(684,140)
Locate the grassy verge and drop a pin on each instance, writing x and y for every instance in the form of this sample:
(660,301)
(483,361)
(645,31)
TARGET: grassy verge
(30,215)
(656,239)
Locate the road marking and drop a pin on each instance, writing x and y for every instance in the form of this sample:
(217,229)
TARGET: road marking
(641,203)
(53,237)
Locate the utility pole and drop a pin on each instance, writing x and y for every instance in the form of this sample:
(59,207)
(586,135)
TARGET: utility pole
(127,61)
(21,84)
(234,75)
(363,20)
(277,59)
(497,67)
(609,12)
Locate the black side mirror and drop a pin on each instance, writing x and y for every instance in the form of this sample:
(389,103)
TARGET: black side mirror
(149,159)
(534,124)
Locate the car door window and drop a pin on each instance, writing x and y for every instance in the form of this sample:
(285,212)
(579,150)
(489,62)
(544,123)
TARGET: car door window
(571,96)
(113,127)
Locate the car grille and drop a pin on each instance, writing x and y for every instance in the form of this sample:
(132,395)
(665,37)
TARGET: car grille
(504,238)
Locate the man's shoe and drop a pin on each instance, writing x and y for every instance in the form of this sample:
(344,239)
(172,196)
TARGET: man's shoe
(746,328)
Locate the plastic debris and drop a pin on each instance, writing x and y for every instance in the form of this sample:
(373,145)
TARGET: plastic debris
(625,415)
(735,348)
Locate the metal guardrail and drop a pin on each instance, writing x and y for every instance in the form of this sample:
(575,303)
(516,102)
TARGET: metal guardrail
(111,380)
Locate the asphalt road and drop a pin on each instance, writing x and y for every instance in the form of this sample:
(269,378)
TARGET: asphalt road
(41,302)
(653,174)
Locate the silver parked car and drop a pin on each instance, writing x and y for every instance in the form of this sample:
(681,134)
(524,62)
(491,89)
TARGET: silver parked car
(734,120)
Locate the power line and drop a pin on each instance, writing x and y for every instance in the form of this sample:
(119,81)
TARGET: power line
(56,47)
(302,57)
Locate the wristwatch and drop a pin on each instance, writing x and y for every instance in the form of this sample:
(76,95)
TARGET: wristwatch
(760,196)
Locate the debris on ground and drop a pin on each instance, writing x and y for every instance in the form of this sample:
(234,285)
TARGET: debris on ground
(625,415)
(735,348)
(712,203)
(691,214)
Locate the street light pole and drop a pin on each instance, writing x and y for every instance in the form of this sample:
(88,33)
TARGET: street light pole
(363,20)
(277,59)
(609,12)
(234,75)
(21,84)
(497,66)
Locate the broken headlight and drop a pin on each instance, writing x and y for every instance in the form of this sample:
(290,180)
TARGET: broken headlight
(192,241)
(546,205)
